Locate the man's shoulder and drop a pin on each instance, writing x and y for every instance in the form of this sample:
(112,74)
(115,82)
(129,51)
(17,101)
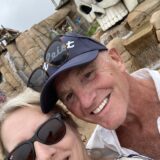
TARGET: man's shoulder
(101,137)
(102,154)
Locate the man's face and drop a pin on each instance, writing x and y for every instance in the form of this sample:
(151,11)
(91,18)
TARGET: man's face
(97,92)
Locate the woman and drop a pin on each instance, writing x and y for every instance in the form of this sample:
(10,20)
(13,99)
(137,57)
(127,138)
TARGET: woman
(28,134)
(55,135)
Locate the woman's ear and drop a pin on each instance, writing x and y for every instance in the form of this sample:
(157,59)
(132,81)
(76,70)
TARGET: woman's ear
(115,56)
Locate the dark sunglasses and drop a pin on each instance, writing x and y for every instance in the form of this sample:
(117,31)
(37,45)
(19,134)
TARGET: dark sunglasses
(50,132)
(55,55)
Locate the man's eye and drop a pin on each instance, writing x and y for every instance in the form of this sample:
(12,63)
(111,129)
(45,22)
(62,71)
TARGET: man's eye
(69,96)
(89,75)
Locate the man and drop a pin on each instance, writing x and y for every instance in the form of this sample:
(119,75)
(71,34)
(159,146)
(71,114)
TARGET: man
(93,83)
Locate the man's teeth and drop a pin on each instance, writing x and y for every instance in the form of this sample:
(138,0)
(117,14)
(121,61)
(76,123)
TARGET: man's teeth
(101,106)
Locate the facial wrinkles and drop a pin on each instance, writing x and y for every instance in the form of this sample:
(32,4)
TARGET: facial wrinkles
(99,87)
(65,84)
(85,90)
(87,98)
(72,81)
(69,80)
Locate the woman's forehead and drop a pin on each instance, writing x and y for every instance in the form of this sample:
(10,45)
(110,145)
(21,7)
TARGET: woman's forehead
(20,125)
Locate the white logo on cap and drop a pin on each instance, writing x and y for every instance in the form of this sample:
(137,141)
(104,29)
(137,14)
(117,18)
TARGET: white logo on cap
(45,66)
(70,44)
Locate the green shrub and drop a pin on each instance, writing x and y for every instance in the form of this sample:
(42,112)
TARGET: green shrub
(92,29)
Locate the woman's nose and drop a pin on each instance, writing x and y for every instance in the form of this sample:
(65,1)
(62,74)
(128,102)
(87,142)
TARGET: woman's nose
(43,151)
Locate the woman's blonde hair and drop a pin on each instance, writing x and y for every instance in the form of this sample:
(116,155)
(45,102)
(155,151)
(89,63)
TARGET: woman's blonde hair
(25,99)
(28,98)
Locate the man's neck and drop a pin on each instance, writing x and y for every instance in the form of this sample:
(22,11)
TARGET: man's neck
(143,95)
(139,132)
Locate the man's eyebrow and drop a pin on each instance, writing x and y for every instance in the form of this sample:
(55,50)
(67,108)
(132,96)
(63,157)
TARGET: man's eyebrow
(62,94)
(81,68)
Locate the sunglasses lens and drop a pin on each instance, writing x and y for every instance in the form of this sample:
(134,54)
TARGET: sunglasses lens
(37,79)
(56,53)
(52,131)
(22,152)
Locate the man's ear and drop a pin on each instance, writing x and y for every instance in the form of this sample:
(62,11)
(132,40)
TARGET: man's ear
(115,56)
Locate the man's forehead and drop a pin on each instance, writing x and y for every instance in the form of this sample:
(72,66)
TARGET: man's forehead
(79,69)
(76,70)
(85,66)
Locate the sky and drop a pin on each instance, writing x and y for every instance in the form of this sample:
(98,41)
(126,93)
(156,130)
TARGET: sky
(23,14)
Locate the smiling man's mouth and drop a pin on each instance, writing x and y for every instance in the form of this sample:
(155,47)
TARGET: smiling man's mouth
(102,105)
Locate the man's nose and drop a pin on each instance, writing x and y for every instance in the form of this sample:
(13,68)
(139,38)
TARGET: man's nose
(86,97)
(43,151)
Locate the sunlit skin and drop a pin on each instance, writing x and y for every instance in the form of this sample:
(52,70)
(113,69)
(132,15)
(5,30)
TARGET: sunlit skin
(21,125)
(85,89)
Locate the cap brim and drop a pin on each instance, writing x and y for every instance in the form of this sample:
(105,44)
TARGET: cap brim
(48,95)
